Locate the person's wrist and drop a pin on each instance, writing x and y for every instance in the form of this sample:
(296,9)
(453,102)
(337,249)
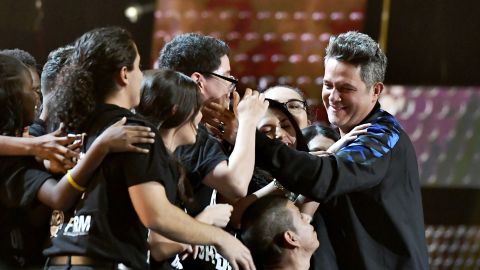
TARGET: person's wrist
(219,237)
(33,146)
(102,145)
(250,123)
(202,217)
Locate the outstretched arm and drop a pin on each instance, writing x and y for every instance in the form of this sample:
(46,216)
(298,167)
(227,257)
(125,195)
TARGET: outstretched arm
(360,165)
(51,146)
(117,138)
(159,215)
(163,248)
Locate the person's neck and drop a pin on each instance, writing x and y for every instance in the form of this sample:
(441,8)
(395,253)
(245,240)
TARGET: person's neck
(118,99)
(168,137)
(293,261)
(345,130)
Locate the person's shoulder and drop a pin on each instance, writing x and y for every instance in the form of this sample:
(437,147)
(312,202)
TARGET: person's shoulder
(385,124)
(138,120)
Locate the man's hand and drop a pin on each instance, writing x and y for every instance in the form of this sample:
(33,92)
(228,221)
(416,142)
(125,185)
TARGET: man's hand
(220,121)
(350,136)
(216,215)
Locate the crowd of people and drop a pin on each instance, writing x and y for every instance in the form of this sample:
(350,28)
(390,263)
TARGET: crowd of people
(106,166)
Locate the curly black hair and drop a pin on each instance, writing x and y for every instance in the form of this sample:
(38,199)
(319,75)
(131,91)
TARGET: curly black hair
(89,77)
(192,52)
(25,57)
(56,60)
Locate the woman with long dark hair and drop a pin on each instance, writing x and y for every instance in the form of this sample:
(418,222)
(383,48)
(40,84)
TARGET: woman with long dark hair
(129,192)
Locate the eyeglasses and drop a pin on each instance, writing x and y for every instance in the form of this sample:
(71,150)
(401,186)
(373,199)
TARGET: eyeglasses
(295,105)
(230,79)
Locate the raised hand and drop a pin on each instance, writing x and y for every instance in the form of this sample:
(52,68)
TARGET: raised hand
(252,106)
(217,215)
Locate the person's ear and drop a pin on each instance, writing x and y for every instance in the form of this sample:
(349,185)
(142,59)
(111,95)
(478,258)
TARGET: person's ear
(377,90)
(122,76)
(200,80)
(291,239)
(174,110)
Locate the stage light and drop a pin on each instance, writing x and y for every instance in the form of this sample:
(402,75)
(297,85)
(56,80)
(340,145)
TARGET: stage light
(135,11)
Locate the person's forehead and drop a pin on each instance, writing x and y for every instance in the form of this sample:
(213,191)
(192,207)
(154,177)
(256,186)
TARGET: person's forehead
(224,68)
(268,118)
(341,71)
(282,94)
(278,114)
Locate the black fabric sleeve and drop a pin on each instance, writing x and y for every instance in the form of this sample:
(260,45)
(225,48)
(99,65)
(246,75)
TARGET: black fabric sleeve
(358,166)
(202,157)
(21,178)
(139,168)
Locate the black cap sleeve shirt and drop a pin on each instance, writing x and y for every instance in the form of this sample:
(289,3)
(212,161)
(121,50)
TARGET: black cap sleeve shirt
(199,160)
(104,224)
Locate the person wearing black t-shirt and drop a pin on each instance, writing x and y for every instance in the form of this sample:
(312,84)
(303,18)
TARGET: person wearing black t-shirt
(129,193)
(213,167)
(24,182)
(209,165)
(158,94)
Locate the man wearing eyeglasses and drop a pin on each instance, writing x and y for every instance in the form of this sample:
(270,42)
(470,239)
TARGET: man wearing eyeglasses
(210,167)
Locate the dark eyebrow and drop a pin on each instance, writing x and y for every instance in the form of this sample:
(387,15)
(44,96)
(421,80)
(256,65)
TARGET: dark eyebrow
(348,85)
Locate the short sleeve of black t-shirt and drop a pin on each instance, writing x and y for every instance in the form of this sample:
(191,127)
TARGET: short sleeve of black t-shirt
(137,168)
(21,178)
(158,166)
(202,157)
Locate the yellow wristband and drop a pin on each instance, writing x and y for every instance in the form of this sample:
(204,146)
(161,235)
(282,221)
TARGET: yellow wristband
(74,184)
